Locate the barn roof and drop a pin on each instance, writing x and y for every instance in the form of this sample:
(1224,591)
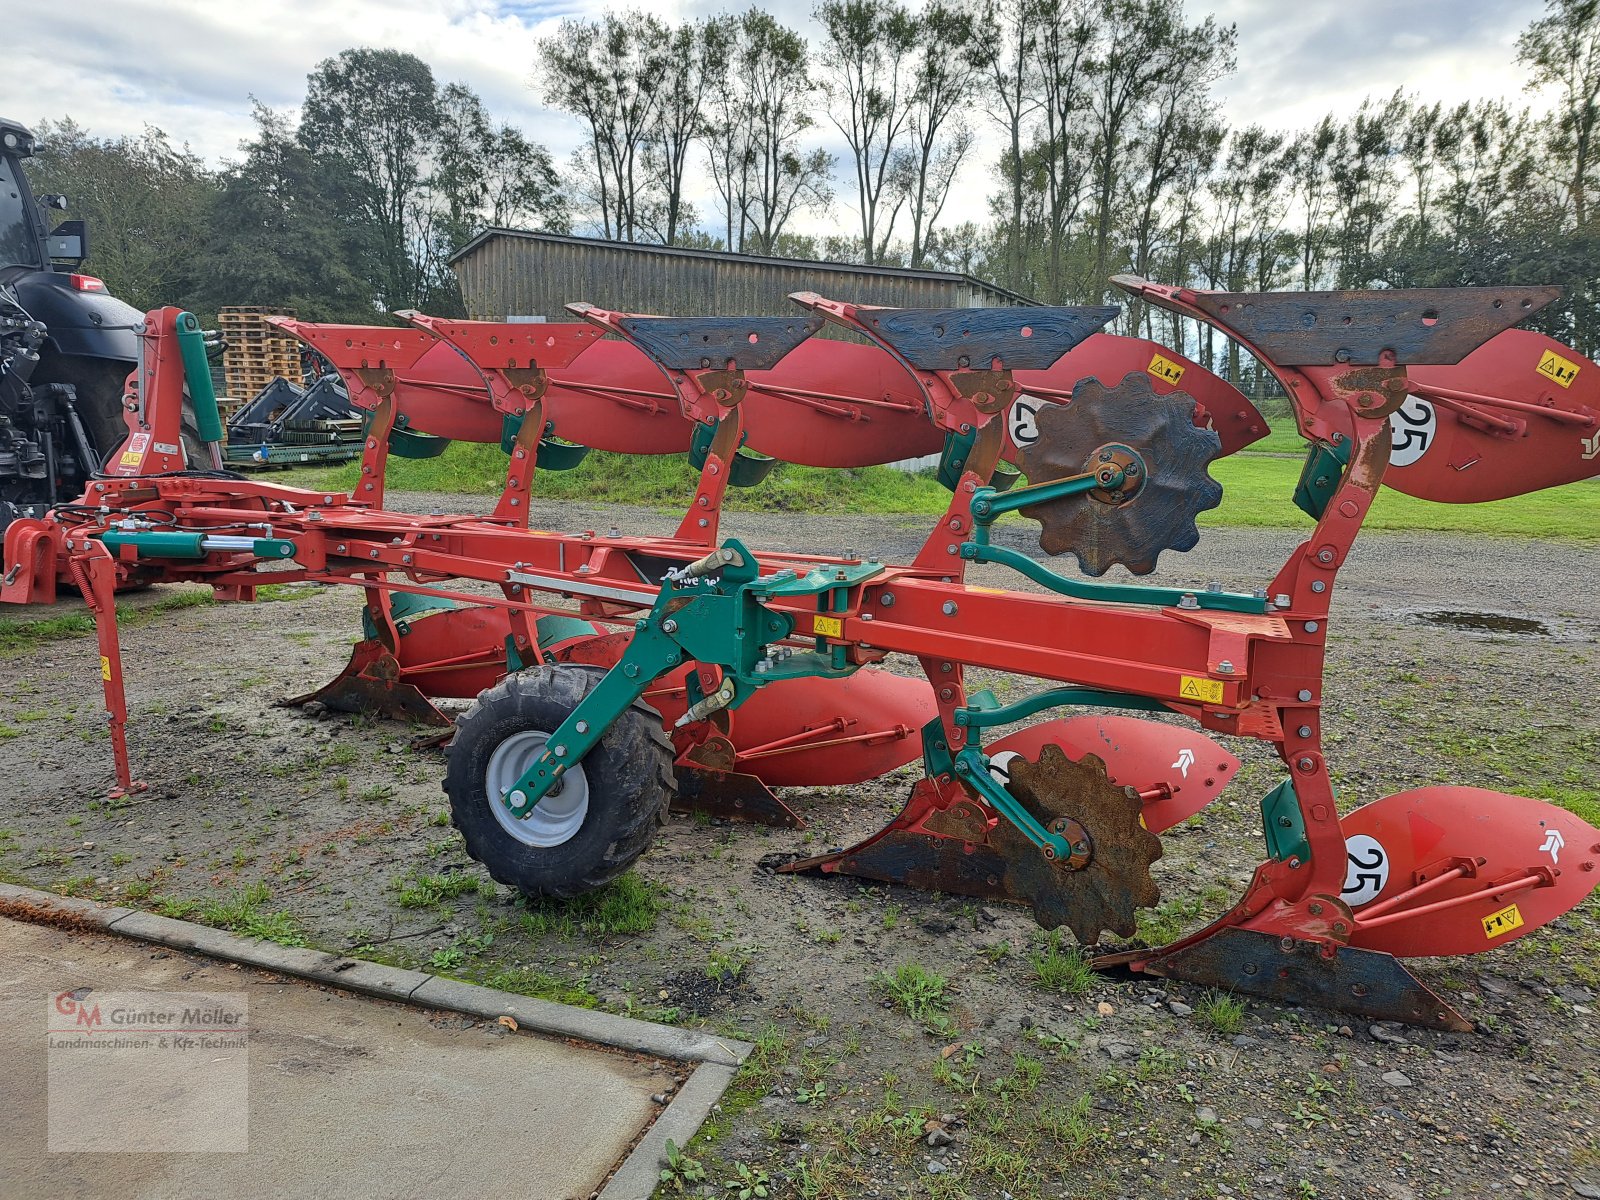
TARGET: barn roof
(683,252)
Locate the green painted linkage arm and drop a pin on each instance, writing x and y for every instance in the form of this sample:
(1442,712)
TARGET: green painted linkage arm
(988,503)
(1113,593)
(984,718)
(197,374)
(973,767)
(650,653)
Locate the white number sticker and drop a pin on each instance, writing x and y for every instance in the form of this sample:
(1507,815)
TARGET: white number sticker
(1024,421)
(1412,427)
(1366,870)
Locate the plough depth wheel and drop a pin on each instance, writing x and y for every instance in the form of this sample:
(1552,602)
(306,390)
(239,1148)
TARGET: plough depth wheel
(603,816)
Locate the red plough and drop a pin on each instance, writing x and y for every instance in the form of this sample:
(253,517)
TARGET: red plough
(612,674)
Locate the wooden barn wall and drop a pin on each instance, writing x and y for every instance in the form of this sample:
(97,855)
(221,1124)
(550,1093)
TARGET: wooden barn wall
(510,275)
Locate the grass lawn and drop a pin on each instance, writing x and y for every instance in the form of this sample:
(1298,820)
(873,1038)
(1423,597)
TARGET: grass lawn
(1256,484)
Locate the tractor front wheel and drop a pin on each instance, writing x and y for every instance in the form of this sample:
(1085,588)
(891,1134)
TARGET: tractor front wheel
(606,809)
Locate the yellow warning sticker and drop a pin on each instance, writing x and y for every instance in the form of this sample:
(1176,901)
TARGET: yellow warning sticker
(1208,691)
(1498,924)
(827,626)
(1558,370)
(105,667)
(1163,367)
(131,458)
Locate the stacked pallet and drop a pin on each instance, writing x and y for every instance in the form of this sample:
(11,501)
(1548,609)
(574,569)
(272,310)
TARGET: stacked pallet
(257,352)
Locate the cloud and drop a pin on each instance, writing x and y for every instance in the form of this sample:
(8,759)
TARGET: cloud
(190,67)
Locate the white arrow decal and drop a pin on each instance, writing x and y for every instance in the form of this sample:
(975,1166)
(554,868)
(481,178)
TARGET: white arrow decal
(1185,761)
(1553,842)
(1591,447)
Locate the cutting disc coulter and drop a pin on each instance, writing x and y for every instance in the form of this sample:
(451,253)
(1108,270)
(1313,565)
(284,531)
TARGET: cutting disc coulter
(1156,458)
(1107,879)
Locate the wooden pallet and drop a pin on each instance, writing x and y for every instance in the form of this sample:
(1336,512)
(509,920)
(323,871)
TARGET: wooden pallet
(257,352)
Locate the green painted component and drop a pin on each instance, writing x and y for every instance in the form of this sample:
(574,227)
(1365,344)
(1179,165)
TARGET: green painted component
(1319,478)
(1004,478)
(552,455)
(718,619)
(1113,593)
(978,716)
(815,581)
(988,502)
(197,374)
(273,548)
(984,701)
(1284,827)
(510,426)
(155,543)
(972,766)
(410,443)
(747,469)
(953,458)
(936,758)
(953,463)
(406,606)
(553,629)
(514,661)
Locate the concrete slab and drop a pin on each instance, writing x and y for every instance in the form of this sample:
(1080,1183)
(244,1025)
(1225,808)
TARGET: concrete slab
(347,1095)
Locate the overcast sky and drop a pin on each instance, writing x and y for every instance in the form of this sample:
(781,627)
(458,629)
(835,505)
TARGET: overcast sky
(191,66)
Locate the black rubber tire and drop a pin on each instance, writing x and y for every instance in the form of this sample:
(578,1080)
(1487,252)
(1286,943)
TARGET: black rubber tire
(629,773)
(100,383)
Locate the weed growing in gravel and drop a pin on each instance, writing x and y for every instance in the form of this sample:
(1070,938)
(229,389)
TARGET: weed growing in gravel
(1058,970)
(681,1170)
(423,891)
(915,990)
(1222,1011)
(526,981)
(724,967)
(629,905)
(241,912)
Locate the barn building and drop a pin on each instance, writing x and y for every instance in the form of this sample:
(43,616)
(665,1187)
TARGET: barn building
(509,273)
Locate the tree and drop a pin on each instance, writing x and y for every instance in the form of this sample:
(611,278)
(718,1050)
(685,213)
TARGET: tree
(866,51)
(1562,49)
(275,237)
(609,74)
(762,173)
(143,200)
(938,132)
(1066,36)
(373,115)
(697,65)
(1004,48)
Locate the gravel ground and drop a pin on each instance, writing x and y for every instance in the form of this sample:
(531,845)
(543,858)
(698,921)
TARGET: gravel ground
(333,831)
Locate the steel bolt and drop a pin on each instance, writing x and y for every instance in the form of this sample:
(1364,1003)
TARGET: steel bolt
(669,626)
(1280,601)
(561,751)
(1304,731)
(1213,586)
(949,608)
(1312,626)
(518,798)
(1188,601)
(1224,667)
(1305,764)
(1303,695)
(1318,586)
(583,727)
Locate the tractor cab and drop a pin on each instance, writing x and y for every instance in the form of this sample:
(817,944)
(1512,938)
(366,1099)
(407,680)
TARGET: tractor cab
(23,240)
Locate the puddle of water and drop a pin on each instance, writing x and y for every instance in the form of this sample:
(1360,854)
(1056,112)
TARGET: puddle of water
(1485,622)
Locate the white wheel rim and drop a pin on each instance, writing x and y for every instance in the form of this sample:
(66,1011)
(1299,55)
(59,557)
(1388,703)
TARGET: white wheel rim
(557,818)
